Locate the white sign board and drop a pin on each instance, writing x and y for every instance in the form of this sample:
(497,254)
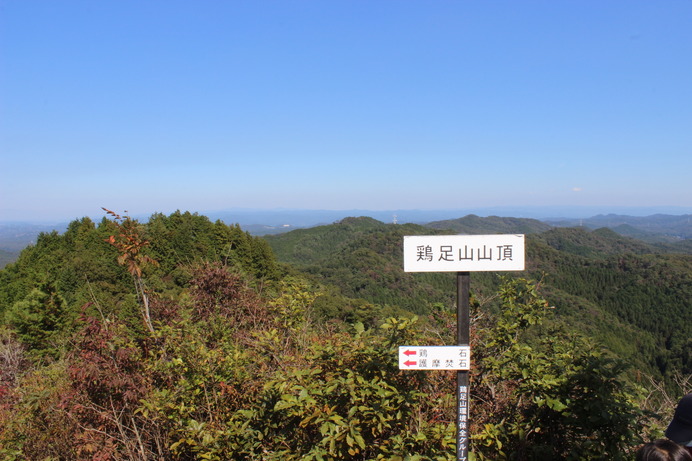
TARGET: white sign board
(464,253)
(434,357)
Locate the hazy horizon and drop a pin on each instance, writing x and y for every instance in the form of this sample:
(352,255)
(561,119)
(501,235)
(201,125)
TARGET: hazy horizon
(309,217)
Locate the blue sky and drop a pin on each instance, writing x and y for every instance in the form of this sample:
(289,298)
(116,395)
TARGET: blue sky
(205,105)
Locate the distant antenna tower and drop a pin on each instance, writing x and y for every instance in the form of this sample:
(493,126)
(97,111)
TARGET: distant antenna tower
(394,220)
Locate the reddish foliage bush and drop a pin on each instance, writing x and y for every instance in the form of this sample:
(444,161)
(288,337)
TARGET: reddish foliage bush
(107,382)
(218,292)
(165,311)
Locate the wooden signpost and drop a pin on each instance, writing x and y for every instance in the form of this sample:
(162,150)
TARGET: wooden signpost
(461,254)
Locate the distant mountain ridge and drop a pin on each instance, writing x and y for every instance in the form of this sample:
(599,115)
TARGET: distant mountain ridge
(473,224)
(672,230)
(308,218)
(653,228)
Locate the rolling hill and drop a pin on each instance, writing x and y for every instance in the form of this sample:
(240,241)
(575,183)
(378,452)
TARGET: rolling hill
(628,294)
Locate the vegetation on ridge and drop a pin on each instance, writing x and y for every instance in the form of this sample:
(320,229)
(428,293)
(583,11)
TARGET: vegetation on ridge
(250,358)
(610,287)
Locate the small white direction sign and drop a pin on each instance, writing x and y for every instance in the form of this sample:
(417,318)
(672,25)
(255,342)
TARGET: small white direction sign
(434,357)
(464,253)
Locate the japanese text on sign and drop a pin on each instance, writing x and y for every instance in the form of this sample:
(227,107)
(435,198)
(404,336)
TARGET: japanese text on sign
(434,357)
(462,423)
(463,253)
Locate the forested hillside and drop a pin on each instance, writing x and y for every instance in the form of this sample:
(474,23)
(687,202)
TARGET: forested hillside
(185,339)
(473,224)
(609,286)
(638,303)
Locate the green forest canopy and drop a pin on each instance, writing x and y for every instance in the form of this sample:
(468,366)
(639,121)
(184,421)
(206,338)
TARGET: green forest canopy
(247,357)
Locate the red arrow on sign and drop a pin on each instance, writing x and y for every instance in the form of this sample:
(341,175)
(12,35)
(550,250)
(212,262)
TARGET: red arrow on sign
(408,363)
(408,352)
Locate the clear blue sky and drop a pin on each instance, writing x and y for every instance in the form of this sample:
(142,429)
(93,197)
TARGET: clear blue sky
(204,105)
